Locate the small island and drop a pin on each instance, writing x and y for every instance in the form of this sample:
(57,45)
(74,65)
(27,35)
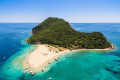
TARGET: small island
(58,32)
(55,37)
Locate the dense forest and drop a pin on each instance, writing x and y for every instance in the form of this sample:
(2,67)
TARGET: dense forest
(55,31)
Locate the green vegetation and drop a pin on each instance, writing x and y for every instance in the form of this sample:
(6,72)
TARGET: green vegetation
(56,31)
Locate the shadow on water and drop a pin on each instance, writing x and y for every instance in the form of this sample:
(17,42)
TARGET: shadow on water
(115,53)
(113,71)
(29,77)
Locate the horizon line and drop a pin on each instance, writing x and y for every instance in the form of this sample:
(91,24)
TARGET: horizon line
(68,22)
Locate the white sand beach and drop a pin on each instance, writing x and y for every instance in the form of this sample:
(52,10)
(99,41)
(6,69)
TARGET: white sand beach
(45,54)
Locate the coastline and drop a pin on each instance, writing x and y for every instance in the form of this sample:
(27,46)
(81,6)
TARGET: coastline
(45,54)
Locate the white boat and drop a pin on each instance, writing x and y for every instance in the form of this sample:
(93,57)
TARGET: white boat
(25,71)
(56,59)
(49,63)
(4,57)
(27,68)
(66,56)
(33,73)
(43,69)
(50,78)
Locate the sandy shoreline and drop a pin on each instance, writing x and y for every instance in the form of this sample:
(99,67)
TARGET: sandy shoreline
(45,54)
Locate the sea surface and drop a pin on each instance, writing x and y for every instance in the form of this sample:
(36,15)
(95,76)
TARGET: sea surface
(80,65)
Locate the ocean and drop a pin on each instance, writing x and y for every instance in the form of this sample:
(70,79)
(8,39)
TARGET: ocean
(80,65)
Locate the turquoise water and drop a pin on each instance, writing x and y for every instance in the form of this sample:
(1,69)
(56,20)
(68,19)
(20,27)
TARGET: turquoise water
(80,65)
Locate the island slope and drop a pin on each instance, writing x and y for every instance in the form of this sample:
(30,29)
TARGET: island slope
(58,32)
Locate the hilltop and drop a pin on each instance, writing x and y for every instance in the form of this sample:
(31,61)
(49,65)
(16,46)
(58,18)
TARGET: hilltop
(58,32)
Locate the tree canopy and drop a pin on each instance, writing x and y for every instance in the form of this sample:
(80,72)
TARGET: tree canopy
(58,32)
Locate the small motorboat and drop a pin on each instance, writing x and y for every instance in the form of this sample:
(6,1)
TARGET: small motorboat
(25,71)
(50,78)
(56,59)
(8,67)
(49,63)
(66,56)
(4,57)
(27,68)
(43,69)
(33,73)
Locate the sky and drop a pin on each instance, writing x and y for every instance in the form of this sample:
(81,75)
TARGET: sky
(73,11)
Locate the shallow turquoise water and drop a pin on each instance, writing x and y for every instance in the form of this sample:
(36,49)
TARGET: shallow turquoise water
(80,65)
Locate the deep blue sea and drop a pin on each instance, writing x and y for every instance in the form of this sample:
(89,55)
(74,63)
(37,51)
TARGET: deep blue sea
(80,65)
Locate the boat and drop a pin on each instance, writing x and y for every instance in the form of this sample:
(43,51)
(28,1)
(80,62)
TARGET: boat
(50,78)
(4,57)
(66,56)
(43,69)
(49,63)
(56,59)
(33,73)
(27,68)
(25,71)
(8,67)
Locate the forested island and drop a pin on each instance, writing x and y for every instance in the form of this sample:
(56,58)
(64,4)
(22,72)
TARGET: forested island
(59,33)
